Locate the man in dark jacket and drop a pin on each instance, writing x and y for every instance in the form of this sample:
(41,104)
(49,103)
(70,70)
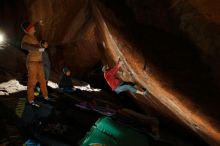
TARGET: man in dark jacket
(116,84)
(46,62)
(66,81)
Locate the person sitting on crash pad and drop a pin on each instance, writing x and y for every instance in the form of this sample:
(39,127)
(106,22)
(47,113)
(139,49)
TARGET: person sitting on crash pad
(110,75)
(66,81)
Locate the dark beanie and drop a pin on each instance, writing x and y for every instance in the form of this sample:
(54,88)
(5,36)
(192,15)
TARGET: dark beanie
(26,26)
(65,69)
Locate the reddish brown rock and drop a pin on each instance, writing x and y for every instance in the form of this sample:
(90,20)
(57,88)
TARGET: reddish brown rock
(169,47)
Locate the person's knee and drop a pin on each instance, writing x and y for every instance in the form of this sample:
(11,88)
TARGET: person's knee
(31,85)
(32,81)
(41,77)
(118,90)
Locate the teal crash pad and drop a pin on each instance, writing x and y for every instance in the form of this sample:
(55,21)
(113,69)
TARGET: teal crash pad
(106,132)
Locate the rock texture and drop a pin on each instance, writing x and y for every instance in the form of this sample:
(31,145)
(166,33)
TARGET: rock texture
(169,47)
(70,31)
(11,58)
(163,59)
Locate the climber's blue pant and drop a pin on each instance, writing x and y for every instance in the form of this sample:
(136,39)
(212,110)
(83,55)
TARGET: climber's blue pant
(122,88)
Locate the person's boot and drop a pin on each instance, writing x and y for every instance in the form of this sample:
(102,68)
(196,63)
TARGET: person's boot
(34,104)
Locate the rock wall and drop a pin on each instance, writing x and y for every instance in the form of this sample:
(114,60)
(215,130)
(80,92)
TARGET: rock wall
(11,57)
(163,59)
(70,31)
(169,47)
(200,21)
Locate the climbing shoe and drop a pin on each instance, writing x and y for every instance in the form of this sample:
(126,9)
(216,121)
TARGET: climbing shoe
(145,93)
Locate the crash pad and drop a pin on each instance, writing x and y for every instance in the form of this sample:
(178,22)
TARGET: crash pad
(107,132)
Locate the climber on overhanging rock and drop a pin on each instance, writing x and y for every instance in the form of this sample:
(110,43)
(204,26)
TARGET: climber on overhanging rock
(110,75)
(34,62)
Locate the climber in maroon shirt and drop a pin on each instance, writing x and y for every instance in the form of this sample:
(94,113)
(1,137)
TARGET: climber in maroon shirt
(116,84)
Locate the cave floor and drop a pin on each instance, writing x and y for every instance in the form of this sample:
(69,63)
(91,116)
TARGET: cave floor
(80,121)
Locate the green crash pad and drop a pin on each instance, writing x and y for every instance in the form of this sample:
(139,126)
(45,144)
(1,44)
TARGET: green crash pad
(106,132)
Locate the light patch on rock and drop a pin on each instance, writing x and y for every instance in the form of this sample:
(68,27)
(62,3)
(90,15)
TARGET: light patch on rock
(87,88)
(82,87)
(52,84)
(11,86)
